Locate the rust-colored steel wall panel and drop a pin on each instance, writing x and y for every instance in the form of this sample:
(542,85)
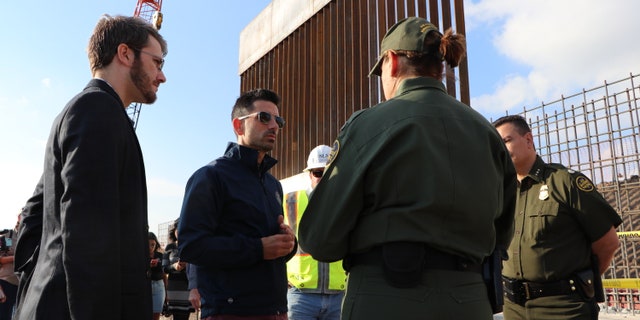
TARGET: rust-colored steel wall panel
(320,70)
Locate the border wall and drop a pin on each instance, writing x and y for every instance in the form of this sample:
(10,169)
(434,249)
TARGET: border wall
(317,54)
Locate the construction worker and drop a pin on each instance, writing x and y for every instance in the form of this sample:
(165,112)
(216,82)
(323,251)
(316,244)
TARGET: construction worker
(317,288)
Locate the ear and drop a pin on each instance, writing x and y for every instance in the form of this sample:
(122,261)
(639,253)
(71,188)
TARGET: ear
(238,126)
(125,54)
(529,137)
(393,59)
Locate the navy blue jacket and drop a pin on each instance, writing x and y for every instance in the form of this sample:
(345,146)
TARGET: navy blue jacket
(228,206)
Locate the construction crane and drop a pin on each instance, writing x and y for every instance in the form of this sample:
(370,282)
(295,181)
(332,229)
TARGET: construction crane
(149,10)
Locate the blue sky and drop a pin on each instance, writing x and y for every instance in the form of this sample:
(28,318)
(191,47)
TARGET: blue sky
(520,53)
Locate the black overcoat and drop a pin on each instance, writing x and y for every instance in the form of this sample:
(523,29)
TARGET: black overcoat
(91,260)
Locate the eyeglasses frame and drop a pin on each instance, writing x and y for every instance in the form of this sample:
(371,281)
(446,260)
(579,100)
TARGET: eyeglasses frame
(157,59)
(271,116)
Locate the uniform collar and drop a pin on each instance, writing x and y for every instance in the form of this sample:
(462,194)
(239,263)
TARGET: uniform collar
(537,170)
(419,83)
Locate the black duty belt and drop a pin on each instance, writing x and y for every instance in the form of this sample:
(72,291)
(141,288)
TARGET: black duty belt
(518,291)
(434,259)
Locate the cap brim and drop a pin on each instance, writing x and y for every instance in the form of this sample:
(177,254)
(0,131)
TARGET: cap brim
(377,68)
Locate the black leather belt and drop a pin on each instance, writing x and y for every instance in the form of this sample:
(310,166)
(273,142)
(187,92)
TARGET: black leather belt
(434,259)
(518,291)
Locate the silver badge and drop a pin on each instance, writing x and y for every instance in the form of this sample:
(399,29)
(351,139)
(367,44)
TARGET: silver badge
(544,192)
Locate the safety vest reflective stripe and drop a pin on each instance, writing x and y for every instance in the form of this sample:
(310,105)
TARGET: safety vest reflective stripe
(302,270)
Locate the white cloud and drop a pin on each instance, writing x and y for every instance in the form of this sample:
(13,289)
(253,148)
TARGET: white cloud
(565,46)
(46,82)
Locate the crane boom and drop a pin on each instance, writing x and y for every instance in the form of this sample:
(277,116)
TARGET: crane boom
(149,10)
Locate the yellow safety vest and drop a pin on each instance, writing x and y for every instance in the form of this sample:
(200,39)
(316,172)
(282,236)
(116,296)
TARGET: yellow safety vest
(304,272)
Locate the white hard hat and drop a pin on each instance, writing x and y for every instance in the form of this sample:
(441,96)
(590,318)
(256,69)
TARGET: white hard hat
(318,157)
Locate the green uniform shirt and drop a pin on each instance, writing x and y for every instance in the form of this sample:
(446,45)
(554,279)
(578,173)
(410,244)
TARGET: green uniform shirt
(559,213)
(419,167)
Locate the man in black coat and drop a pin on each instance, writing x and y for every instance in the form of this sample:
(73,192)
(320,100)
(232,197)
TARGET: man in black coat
(92,255)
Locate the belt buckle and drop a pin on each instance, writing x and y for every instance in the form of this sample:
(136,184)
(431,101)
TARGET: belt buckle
(527,292)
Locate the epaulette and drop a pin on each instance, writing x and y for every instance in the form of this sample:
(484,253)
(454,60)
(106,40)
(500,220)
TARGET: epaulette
(558,166)
(561,167)
(579,179)
(353,117)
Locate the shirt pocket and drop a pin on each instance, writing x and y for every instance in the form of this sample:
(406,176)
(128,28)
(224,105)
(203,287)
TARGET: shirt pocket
(541,220)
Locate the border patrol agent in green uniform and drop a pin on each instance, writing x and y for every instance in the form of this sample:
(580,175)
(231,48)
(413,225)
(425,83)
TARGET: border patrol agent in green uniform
(417,192)
(564,236)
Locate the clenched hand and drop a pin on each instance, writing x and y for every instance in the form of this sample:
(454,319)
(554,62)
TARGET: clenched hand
(278,245)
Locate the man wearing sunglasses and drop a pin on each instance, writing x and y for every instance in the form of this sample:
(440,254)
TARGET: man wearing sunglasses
(316,288)
(231,224)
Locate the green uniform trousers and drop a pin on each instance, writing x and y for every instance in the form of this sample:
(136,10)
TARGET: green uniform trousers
(563,307)
(441,295)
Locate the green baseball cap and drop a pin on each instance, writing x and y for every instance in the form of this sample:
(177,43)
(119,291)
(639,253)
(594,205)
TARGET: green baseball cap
(407,34)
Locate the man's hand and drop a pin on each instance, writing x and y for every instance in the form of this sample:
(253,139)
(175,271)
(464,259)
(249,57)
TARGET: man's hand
(285,228)
(278,245)
(180,265)
(194,298)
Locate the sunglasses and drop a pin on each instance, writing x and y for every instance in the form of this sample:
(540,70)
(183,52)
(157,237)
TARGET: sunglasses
(265,117)
(317,173)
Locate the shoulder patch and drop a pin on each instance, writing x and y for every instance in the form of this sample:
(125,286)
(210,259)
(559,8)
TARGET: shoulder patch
(584,184)
(334,152)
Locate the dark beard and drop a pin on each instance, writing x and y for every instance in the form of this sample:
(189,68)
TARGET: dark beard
(141,81)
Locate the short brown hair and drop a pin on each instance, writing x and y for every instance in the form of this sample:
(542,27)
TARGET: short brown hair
(110,32)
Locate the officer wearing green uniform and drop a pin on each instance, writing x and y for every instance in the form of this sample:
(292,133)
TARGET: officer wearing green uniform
(316,288)
(417,192)
(564,235)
